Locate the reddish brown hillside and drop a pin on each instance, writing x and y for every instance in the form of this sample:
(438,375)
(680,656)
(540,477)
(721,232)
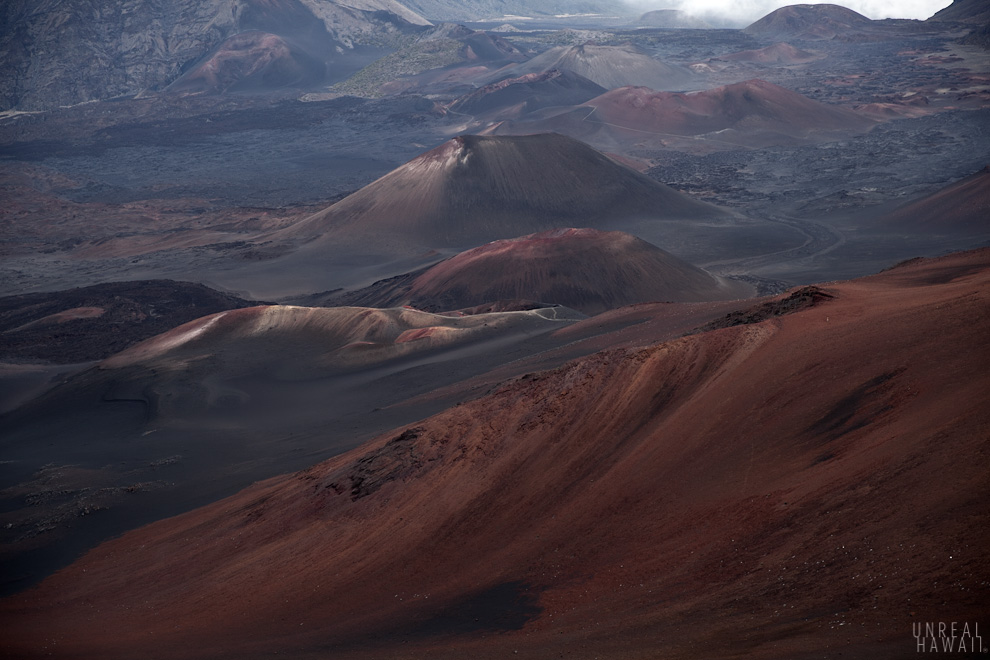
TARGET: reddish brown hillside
(584,269)
(252,61)
(962,207)
(812,483)
(754,105)
(754,113)
(475,189)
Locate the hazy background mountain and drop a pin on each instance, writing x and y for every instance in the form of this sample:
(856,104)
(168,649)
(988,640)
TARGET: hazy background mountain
(739,13)
(474,10)
(56,53)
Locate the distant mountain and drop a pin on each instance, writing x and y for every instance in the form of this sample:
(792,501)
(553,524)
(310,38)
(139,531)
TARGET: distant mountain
(441,58)
(809,22)
(583,269)
(473,189)
(515,97)
(754,105)
(751,113)
(475,10)
(962,207)
(608,66)
(65,52)
(965,11)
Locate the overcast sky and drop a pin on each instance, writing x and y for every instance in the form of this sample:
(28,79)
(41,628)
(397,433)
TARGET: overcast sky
(747,11)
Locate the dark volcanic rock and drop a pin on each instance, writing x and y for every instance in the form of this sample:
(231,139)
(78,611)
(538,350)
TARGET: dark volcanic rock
(964,11)
(807,296)
(65,52)
(94,322)
(779,53)
(979,37)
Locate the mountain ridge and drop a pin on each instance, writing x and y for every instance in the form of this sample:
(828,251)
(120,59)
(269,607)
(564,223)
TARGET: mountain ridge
(61,53)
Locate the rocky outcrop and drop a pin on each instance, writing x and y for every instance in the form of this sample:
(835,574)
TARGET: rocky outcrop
(65,52)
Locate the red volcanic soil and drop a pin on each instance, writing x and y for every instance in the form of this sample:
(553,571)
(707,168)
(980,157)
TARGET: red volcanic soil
(781,53)
(754,105)
(584,269)
(252,61)
(514,97)
(963,207)
(475,189)
(207,408)
(609,66)
(811,484)
(821,21)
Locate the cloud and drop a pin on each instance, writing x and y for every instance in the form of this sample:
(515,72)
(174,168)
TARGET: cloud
(743,12)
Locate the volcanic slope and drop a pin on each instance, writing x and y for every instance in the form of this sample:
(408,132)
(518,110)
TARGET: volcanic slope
(583,269)
(960,208)
(754,106)
(447,57)
(94,322)
(514,97)
(255,61)
(810,22)
(964,11)
(475,189)
(209,407)
(708,492)
(754,113)
(608,66)
(144,44)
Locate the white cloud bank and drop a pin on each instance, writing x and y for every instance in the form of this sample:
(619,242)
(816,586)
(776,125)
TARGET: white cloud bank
(744,12)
